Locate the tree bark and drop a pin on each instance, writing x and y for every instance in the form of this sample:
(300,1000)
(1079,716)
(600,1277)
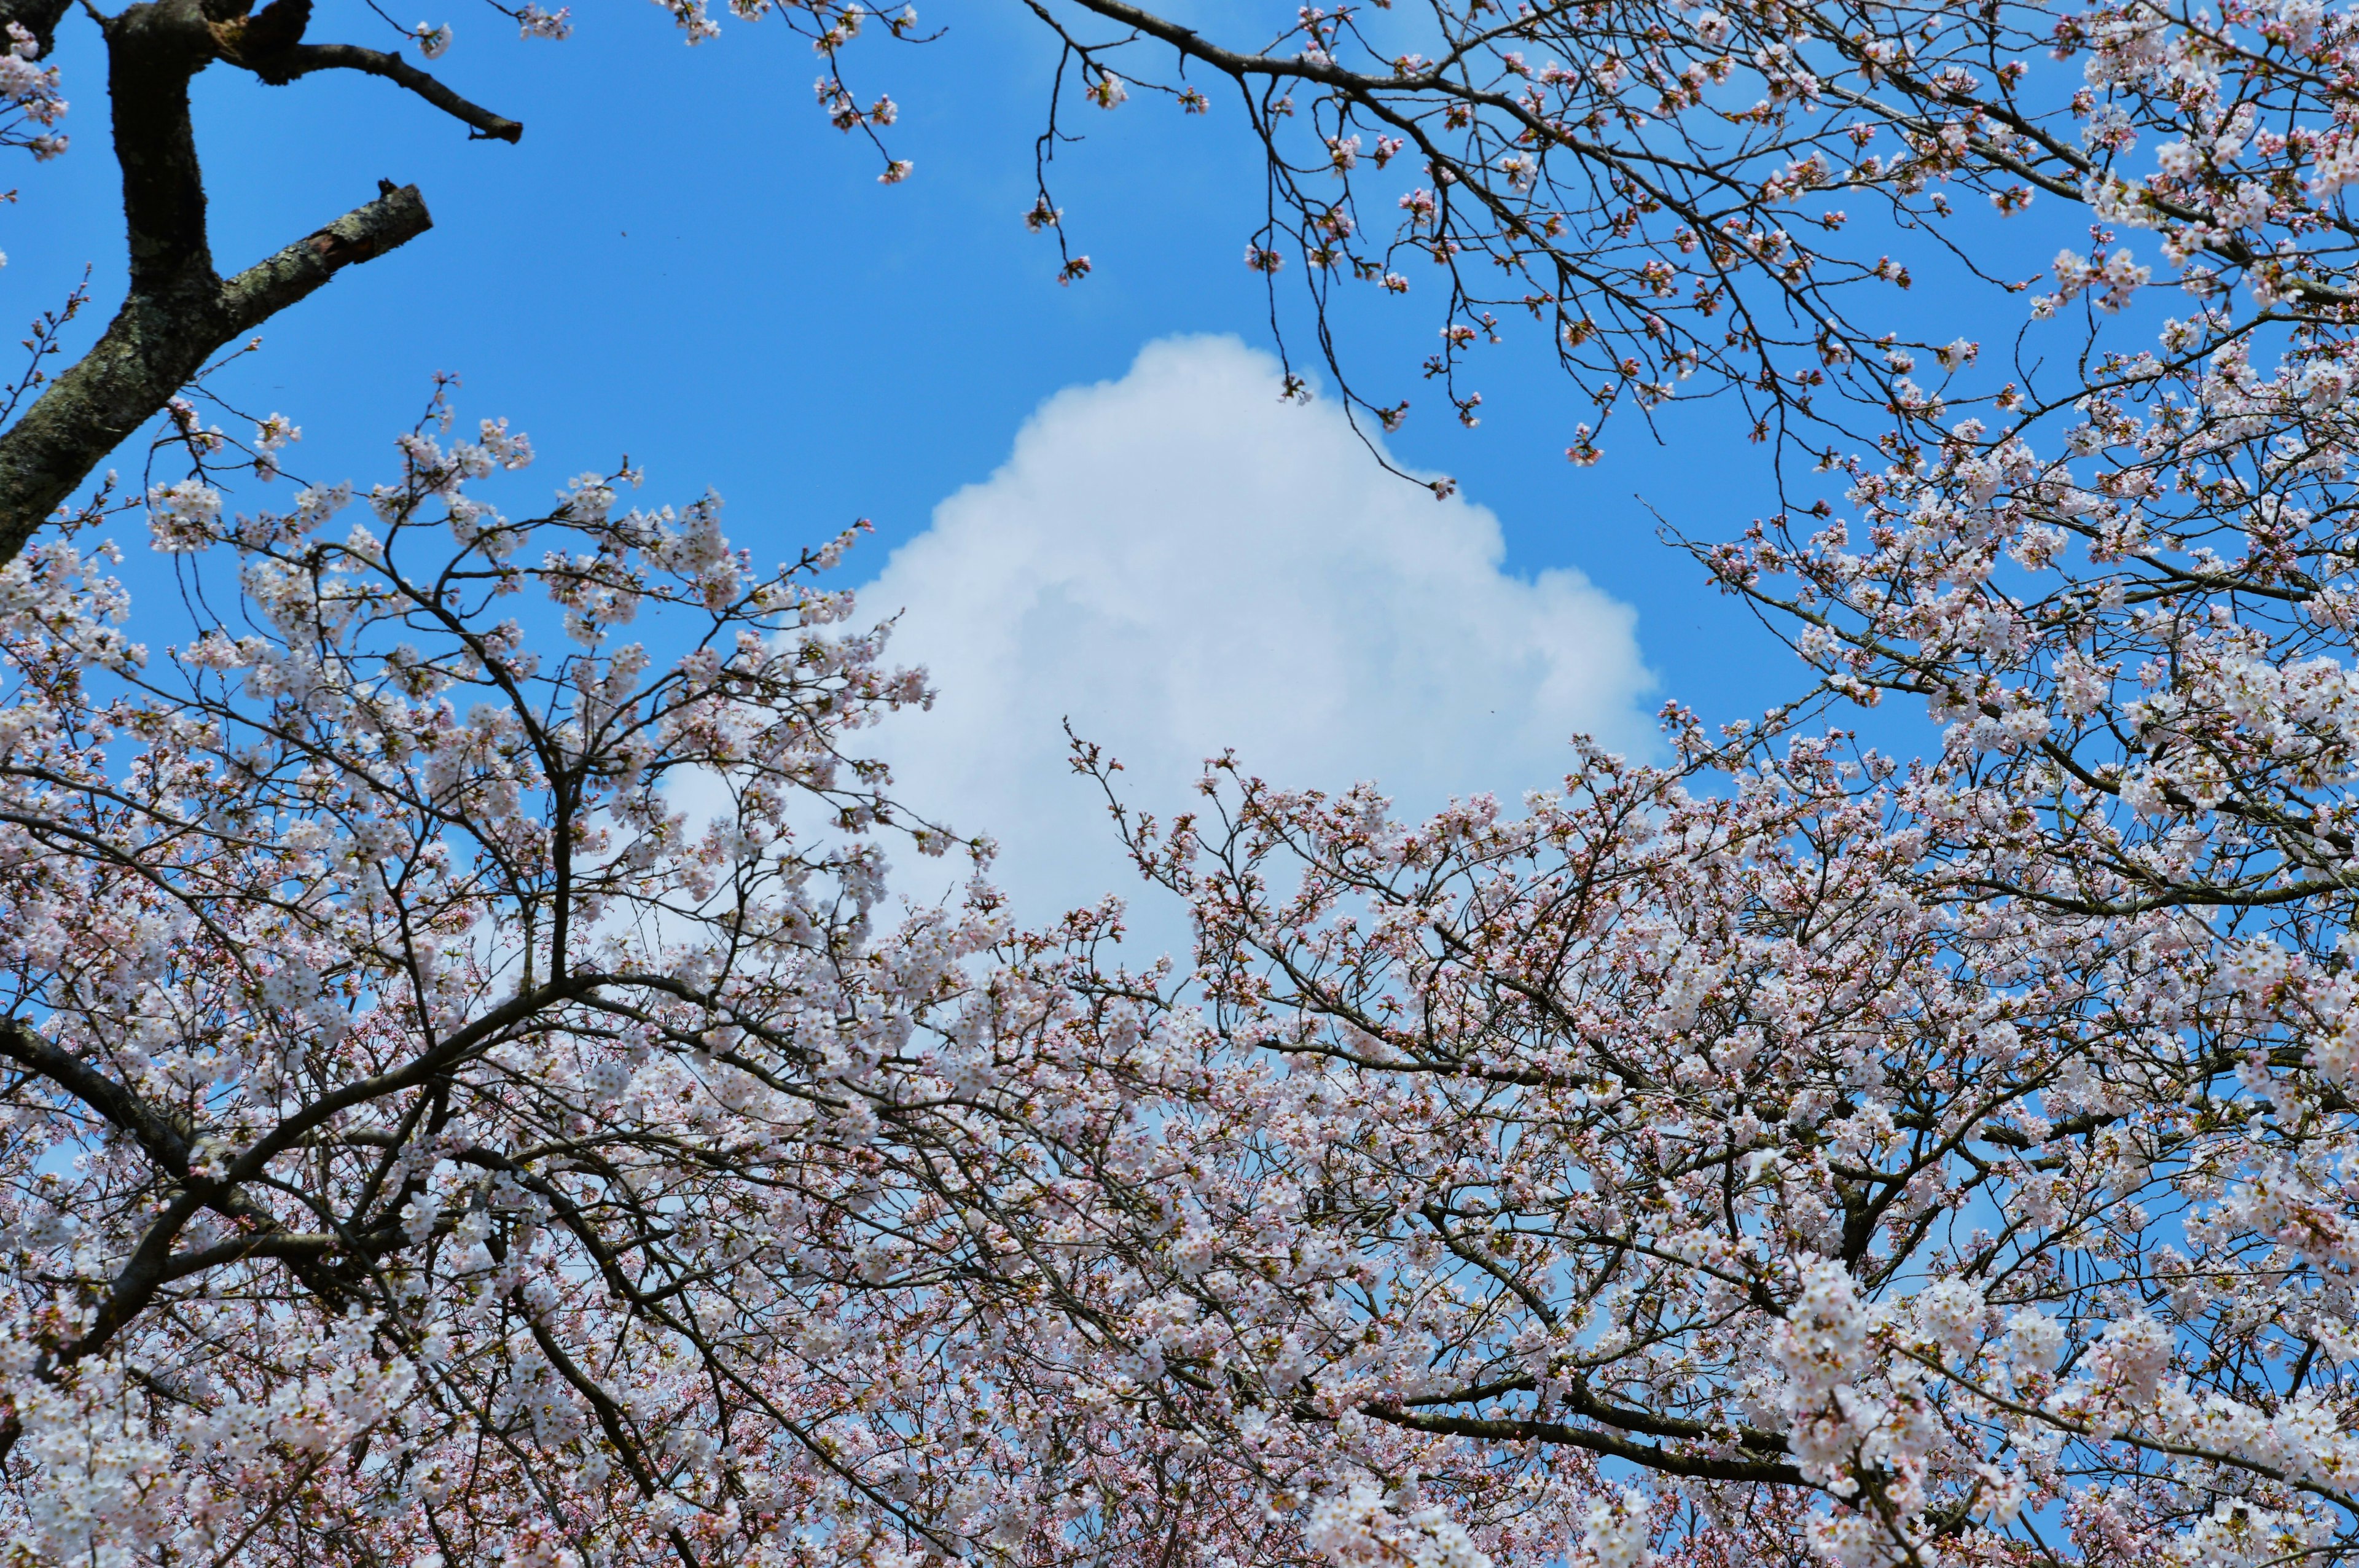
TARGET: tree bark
(153,347)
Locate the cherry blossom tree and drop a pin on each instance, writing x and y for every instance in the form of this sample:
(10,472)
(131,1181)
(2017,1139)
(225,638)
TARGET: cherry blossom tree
(471,1095)
(467,1099)
(1798,1153)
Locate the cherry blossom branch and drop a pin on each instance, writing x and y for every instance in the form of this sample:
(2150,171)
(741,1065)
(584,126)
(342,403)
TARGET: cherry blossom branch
(1651,1456)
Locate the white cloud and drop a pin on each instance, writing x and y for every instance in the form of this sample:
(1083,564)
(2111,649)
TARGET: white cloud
(1180,564)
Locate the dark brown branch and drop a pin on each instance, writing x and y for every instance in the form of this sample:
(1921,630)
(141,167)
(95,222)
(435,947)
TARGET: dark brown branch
(171,1146)
(285,1245)
(1579,1399)
(153,51)
(304,58)
(165,1141)
(1648,1455)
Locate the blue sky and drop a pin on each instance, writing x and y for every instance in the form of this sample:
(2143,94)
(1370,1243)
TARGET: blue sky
(683,262)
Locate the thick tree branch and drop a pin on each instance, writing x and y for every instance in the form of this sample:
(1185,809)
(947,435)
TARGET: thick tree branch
(154,346)
(153,53)
(397,216)
(164,1140)
(1579,1399)
(303,1245)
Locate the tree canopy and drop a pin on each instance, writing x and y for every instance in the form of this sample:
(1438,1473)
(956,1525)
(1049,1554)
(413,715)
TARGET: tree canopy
(471,1097)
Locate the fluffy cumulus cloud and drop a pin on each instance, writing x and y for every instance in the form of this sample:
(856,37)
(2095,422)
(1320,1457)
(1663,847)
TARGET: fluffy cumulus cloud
(1180,563)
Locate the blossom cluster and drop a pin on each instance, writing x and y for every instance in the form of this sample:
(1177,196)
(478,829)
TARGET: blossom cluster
(28,96)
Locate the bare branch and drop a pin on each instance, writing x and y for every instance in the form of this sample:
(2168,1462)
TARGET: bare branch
(303,60)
